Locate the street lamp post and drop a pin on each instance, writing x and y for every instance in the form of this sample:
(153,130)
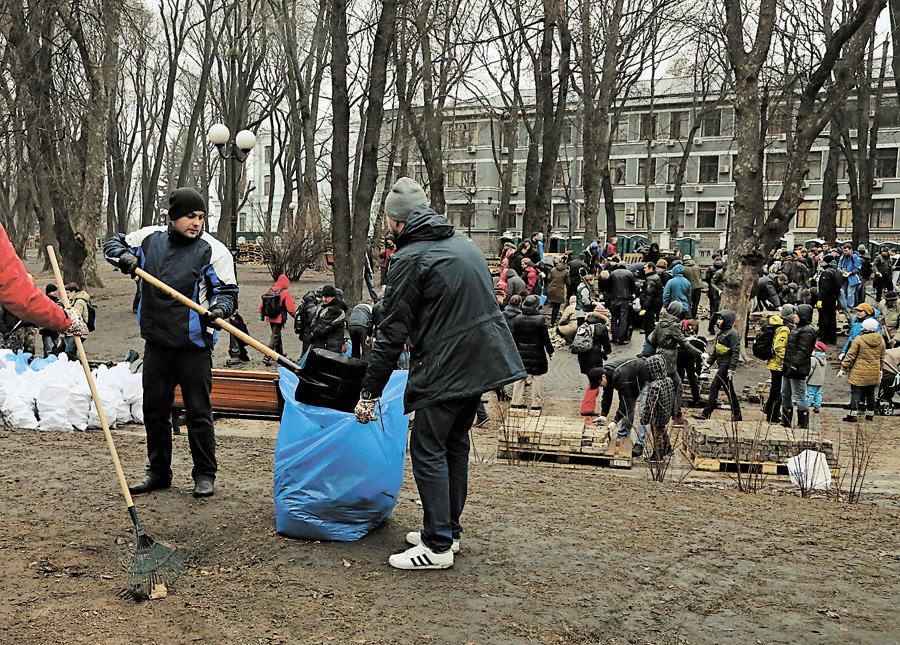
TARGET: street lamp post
(236,150)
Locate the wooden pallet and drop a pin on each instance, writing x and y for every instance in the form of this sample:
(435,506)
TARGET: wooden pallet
(731,466)
(615,456)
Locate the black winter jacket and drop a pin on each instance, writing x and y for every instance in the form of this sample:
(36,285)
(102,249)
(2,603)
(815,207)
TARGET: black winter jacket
(651,294)
(728,343)
(305,315)
(766,291)
(626,376)
(439,299)
(328,326)
(830,283)
(800,345)
(529,331)
(620,285)
(597,354)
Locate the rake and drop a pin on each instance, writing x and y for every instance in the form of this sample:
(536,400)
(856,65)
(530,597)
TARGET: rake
(152,564)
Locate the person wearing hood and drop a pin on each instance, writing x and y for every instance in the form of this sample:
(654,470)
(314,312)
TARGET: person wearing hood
(863,312)
(627,378)
(578,268)
(512,309)
(678,288)
(515,286)
(883,268)
(829,287)
(667,339)
(890,319)
(568,322)
(459,347)
(651,298)
(790,294)
(800,345)
(277,315)
(783,323)
(556,292)
(657,407)
(692,274)
(532,338)
(652,253)
(716,283)
(816,379)
(727,355)
(863,364)
(303,321)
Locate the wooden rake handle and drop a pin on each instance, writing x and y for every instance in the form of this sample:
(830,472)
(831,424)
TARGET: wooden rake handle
(90,379)
(224,324)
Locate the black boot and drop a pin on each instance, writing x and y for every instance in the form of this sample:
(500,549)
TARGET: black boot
(803,419)
(787,417)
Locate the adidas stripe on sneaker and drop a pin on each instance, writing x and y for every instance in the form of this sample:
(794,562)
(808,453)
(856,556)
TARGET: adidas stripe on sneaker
(415,538)
(421,557)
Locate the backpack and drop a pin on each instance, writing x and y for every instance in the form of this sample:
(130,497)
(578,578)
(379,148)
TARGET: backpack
(271,304)
(91,320)
(584,339)
(762,344)
(865,271)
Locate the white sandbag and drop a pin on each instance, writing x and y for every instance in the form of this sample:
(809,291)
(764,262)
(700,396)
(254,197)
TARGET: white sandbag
(52,401)
(18,403)
(132,387)
(809,470)
(137,411)
(109,398)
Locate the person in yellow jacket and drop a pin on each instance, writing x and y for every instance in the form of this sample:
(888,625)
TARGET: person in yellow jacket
(782,322)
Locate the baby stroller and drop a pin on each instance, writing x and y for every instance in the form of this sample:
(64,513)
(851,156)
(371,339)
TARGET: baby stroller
(890,380)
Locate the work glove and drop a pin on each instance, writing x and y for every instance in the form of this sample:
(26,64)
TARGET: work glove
(209,318)
(601,421)
(128,262)
(77,327)
(730,375)
(841,374)
(705,357)
(612,425)
(365,409)
(841,357)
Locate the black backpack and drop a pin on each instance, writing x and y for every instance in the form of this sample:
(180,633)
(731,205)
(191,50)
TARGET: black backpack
(865,271)
(762,344)
(91,320)
(271,304)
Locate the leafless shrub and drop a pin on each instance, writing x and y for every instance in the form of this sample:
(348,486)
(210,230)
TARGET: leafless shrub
(659,449)
(744,448)
(294,251)
(865,441)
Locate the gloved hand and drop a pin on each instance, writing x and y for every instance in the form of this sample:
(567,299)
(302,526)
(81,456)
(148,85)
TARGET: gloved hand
(730,375)
(841,374)
(128,262)
(210,316)
(705,357)
(841,357)
(601,421)
(365,409)
(77,327)
(612,426)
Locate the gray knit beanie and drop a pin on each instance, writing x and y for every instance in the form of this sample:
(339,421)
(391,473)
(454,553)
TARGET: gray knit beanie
(405,197)
(788,311)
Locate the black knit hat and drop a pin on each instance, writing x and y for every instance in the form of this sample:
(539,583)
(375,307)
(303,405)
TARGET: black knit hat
(183,201)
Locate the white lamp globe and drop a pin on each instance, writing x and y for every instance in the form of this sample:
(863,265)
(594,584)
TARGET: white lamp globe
(245,140)
(218,134)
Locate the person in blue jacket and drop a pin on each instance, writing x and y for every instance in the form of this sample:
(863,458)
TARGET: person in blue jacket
(178,342)
(863,312)
(678,288)
(849,265)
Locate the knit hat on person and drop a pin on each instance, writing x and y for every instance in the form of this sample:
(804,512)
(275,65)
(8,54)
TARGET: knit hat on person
(604,275)
(686,257)
(328,291)
(183,201)
(866,307)
(603,311)
(890,295)
(404,198)
(788,311)
(820,346)
(532,302)
(870,324)
(675,308)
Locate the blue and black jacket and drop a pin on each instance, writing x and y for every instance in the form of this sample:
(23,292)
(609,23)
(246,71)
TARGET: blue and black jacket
(200,268)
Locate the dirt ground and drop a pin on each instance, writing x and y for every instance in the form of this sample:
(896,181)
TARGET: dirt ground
(549,555)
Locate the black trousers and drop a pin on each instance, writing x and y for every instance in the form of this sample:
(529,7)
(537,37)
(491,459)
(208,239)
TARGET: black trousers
(695,301)
(237,348)
(772,407)
(358,337)
(164,368)
(719,381)
(275,342)
(828,321)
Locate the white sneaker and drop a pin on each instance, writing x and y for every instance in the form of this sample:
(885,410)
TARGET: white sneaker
(421,557)
(415,538)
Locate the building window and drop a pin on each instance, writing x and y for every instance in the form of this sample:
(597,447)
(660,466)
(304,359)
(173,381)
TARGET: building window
(460,175)
(619,130)
(461,215)
(267,154)
(242,221)
(844,215)
(561,217)
(678,125)
(565,137)
(462,135)
(815,166)
(780,121)
(642,215)
(648,126)
(706,214)
(562,175)
(808,215)
(711,124)
(680,214)
(888,114)
(620,215)
(672,170)
(617,172)
(776,164)
(886,162)
(267,184)
(709,169)
(646,171)
(882,213)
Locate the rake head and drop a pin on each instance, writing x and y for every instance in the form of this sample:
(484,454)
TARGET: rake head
(152,564)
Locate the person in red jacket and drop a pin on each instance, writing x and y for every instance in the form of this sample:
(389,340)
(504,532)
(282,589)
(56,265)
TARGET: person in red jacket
(285,306)
(24,300)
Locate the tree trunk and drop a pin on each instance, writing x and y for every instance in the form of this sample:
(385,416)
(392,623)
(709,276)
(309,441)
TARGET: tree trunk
(827,228)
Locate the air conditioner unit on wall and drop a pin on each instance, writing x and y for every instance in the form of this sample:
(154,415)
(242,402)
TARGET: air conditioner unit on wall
(698,141)
(471,190)
(688,210)
(504,150)
(724,169)
(629,218)
(670,188)
(520,208)
(782,137)
(878,183)
(670,142)
(630,208)
(698,188)
(852,133)
(722,209)
(472,149)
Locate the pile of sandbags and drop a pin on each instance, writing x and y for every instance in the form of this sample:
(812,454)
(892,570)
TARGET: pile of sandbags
(53,394)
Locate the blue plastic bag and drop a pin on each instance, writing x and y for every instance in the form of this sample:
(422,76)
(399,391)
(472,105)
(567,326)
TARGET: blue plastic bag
(335,478)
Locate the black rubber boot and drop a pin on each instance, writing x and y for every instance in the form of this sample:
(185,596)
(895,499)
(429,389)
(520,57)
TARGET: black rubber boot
(803,419)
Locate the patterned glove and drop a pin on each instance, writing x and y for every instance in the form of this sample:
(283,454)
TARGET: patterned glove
(78,326)
(730,375)
(705,357)
(365,410)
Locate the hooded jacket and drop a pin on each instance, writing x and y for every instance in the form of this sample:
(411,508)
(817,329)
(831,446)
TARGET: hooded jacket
(328,326)
(865,359)
(515,286)
(287,302)
(601,349)
(201,268)
(305,316)
(660,404)
(829,283)
(728,343)
(559,280)
(80,302)
(362,316)
(652,293)
(766,291)
(800,345)
(779,342)
(692,274)
(529,331)
(439,300)
(817,369)
(669,337)
(856,329)
(678,288)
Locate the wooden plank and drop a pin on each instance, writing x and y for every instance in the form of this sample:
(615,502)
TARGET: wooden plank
(541,456)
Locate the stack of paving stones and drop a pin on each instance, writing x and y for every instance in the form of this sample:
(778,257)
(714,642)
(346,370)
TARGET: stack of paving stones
(756,393)
(759,441)
(526,431)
